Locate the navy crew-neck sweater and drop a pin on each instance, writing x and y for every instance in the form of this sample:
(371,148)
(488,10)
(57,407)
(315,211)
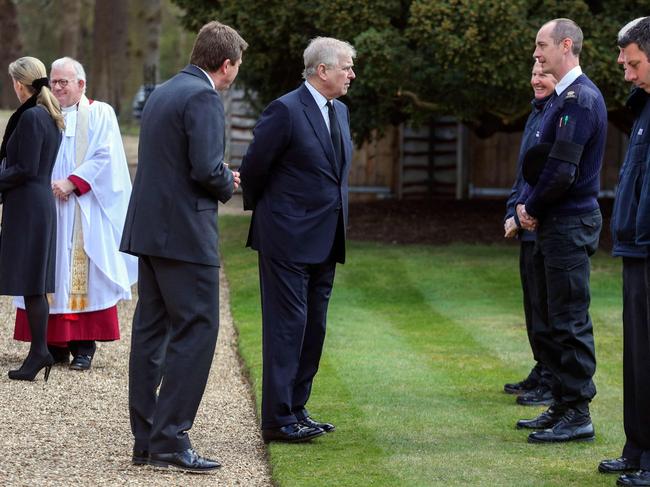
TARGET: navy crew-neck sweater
(579,116)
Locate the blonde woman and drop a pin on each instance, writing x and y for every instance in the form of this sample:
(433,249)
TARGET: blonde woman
(27,241)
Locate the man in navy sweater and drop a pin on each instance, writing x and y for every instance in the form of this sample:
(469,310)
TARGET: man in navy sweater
(629,223)
(563,207)
(534,390)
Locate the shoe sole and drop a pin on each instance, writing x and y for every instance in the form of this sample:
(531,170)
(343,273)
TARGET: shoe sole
(535,403)
(586,439)
(534,428)
(513,391)
(619,472)
(171,466)
(300,440)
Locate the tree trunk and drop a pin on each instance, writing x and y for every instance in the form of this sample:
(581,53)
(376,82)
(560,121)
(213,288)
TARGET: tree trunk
(10,49)
(144,48)
(110,43)
(71,22)
(153,24)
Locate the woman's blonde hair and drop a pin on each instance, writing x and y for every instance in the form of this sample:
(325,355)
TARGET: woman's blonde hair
(27,69)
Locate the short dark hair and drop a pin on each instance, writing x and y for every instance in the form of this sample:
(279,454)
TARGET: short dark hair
(215,43)
(567,28)
(638,34)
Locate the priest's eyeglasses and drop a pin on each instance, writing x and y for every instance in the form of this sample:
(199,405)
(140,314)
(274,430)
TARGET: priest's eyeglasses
(61,82)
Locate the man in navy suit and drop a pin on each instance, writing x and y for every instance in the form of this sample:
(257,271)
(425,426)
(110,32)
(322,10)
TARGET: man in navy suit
(171,225)
(295,179)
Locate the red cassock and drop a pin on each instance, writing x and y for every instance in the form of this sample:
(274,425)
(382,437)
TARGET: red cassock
(99,325)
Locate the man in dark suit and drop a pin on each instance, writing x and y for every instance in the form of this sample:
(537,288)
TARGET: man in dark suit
(171,225)
(295,178)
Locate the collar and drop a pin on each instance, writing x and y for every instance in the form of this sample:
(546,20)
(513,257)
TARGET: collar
(206,75)
(539,104)
(568,78)
(321,101)
(12,123)
(637,100)
(73,108)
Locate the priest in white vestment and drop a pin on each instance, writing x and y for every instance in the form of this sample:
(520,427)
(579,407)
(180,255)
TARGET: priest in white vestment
(91,185)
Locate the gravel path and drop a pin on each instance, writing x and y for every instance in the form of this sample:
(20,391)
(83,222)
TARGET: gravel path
(75,429)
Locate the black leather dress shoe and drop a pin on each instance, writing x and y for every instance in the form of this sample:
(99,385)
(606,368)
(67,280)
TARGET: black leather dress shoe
(326,427)
(618,465)
(540,396)
(640,478)
(81,362)
(525,385)
(140,457)
(186,461)
(573,426)
(545,420)
(291,433)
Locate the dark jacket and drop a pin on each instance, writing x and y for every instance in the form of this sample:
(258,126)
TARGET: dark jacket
(528,139)
(28,239)
(290,178)
(181,175)
(629,194)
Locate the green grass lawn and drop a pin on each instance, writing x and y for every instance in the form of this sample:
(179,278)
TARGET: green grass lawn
(420,341)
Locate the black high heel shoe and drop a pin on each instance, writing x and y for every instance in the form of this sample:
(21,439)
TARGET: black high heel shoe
(28,371)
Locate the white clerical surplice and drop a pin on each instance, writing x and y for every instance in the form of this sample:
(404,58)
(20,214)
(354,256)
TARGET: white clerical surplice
(101,212)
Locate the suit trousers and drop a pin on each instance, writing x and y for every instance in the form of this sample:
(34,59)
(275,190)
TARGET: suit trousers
(294,311)
(175,329)
(636,360)
(534,320)
(562,270)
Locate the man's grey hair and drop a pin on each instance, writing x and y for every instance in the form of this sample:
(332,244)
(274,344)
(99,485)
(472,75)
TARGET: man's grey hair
(567,29)
(636,32)
(76,65)
(327,51)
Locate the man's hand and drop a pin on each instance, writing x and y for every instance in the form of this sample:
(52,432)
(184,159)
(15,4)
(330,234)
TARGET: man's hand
(527,222)
(62,188)
(510,228)
(236,179)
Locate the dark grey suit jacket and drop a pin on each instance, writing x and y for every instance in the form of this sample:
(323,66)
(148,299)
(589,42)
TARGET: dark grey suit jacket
(181,176)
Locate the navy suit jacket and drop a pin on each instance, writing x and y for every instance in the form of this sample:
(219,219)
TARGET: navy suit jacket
(292,183)
(181,176)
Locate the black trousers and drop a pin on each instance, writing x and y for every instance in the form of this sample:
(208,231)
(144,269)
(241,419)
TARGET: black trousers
(82,347)
(636,360)
(534,320)
(562,270)
(175,328)
(294,311)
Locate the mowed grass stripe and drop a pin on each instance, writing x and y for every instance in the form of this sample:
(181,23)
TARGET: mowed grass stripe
(428,382)
(347,457)
(434,272)
(412,372)
(481,292)
(494,327)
